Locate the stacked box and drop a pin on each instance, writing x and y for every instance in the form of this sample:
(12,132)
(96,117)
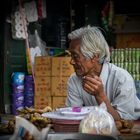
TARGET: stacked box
(59,86)
(43,85)
(42,66)
(61,71)
(42,101)
(61,67)
(42,82)
(51,76)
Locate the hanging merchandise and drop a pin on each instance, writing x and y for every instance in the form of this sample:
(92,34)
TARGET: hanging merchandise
(19,25)
(26,41)
(31,11)
(41,8)
(37,48)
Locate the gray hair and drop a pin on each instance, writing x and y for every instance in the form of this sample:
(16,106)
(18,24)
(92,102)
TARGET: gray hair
(92,42)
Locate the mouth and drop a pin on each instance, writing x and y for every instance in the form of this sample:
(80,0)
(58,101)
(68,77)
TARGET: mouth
(90,72)
(77,70)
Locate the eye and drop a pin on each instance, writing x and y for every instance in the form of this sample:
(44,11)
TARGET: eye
(75,57)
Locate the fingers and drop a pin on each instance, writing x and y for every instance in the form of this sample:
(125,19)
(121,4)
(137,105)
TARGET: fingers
(89,88)
(92,84)
(92,81)
(89,77)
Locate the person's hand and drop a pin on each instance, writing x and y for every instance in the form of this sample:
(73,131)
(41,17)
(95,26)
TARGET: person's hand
(93,85)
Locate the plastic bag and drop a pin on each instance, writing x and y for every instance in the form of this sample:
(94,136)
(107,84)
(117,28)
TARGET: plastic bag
(37,47)
(98,121)
(25,130)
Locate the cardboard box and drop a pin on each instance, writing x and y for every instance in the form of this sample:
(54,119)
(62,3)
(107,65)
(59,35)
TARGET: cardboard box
(39,90)
(43,60)
(43,85)
(42,80)
(42,66)
(58,102)
(42,70)
(40,102)
(59,86)
(61,66)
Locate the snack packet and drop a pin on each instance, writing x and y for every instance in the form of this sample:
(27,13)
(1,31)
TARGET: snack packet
(98,121)
(25,130)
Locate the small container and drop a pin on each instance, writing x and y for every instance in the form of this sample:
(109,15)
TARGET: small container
(76,109)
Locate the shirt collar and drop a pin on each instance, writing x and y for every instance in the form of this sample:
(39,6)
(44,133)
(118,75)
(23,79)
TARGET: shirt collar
(104,72)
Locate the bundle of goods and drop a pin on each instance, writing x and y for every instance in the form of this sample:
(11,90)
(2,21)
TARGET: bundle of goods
(124,126)
(98,121)
(32,115)
(18,91)
(19,25)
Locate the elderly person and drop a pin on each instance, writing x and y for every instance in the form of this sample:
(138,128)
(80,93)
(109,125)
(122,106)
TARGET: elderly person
(96,80)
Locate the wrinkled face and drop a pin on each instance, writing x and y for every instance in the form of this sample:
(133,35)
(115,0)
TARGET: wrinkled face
(80,63)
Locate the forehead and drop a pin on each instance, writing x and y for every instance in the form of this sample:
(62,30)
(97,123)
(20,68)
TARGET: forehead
(74,45)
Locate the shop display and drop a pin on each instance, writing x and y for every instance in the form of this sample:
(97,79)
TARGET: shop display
(32,99)
(19,25)
(18,91)
(129,59)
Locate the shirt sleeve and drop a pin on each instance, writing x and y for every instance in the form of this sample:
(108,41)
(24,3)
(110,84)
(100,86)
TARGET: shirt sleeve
(73,93)
(125,100)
